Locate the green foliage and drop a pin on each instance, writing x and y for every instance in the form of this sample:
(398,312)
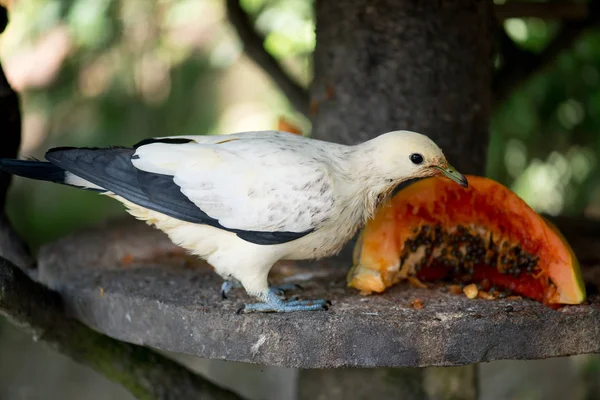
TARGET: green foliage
(132,74)
(289,30)
(125,79)
(544,137)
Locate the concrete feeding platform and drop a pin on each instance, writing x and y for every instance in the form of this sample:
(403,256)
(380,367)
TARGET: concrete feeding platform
(130,282)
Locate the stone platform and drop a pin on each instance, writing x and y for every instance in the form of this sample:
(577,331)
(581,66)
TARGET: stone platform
(128,281)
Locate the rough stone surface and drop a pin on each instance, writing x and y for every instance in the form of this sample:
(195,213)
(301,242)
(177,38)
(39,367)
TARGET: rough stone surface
(127,280)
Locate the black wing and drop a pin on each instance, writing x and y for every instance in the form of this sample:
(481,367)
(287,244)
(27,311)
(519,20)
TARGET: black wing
(111,169)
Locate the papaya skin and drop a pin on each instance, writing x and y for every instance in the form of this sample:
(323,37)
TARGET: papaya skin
(492,214)
(569,281)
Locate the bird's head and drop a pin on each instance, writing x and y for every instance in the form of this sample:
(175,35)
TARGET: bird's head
(404,155)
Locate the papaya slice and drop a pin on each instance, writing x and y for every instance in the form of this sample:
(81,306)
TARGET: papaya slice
(436,230)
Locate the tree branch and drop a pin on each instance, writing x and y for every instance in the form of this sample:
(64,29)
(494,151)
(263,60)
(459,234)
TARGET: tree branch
(10,117)
(253,46)
(145,373)
(520,65)
(11,246)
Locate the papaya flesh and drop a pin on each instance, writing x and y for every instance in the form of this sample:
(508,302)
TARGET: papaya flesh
(436,230)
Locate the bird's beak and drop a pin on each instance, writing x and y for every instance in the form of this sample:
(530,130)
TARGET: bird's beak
(450,172)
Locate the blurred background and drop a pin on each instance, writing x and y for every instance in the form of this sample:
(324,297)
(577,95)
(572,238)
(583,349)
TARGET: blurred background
(112,72)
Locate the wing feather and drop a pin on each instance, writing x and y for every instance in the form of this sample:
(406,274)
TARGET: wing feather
(250,185)
(264,188)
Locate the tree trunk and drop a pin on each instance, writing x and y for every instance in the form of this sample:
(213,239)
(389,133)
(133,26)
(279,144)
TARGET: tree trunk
(426,66)
(386,65)
(442,383)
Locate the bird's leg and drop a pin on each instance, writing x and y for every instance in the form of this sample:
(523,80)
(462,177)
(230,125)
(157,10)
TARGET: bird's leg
(228,285)
(278,290)
(272,303)
(254,279)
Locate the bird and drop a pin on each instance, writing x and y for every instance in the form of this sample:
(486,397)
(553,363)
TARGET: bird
(244,201)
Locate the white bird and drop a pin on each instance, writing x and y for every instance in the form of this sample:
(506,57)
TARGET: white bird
(245,201)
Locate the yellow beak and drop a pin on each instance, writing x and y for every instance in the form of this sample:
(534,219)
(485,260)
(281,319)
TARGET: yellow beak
(450,172)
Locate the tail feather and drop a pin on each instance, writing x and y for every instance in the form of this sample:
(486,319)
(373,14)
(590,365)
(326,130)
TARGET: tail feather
(33,169)
(43,171)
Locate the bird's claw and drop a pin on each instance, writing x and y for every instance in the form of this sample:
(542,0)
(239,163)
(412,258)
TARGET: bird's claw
(275,304)
(325,303)
(227,286)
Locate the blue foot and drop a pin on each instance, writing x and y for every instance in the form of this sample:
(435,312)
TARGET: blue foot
(229,285)
(293,303)
(275,304)
(278,290)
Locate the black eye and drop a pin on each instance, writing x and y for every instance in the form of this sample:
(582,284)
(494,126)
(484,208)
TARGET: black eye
(416,158)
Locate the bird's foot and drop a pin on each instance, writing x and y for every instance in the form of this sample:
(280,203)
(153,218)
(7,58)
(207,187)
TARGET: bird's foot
(274,304)
(228,286)
(278,290)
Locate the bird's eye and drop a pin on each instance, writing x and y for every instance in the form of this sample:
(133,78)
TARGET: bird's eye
(416,158)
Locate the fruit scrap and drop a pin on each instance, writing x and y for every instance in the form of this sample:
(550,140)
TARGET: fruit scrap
(126,259)
(454,289)
(471,291)
(434,230)
(417,304)
(485,295)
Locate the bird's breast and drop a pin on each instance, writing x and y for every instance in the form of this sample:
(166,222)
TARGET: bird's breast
(329,239)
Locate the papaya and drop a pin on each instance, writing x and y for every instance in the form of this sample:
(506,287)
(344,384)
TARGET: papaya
(434,230)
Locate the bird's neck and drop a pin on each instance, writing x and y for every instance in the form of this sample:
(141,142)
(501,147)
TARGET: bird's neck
(370,188)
